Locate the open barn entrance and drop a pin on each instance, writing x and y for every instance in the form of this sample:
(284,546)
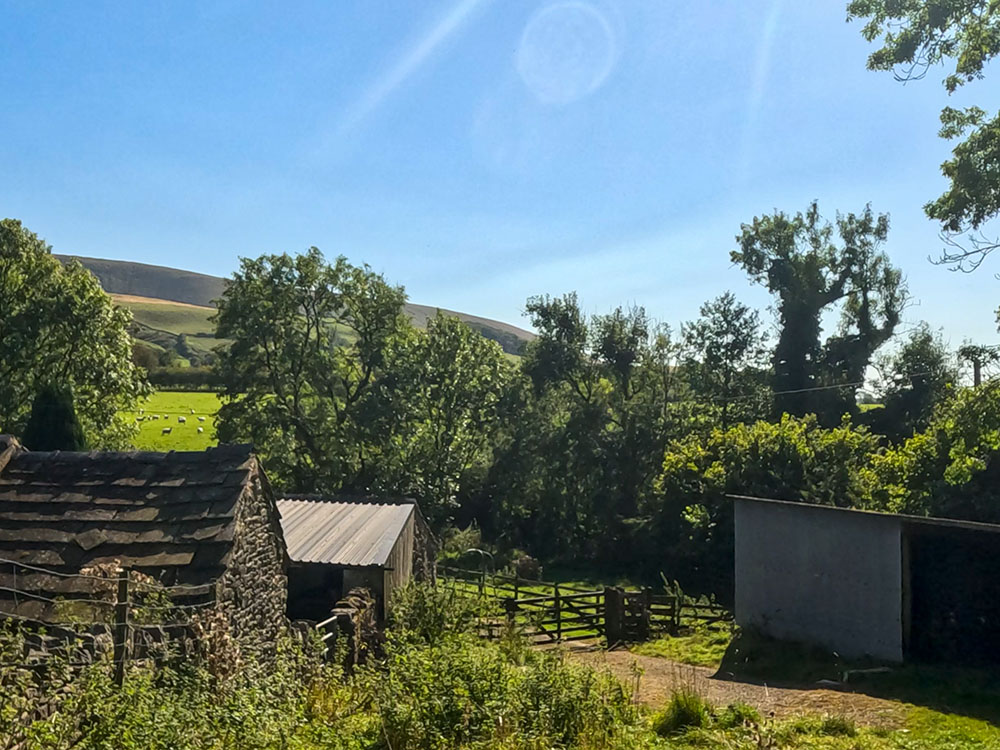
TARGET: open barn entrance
(951,593)
(313,590)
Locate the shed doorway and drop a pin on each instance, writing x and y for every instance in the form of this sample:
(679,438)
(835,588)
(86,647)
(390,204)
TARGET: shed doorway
(951,609)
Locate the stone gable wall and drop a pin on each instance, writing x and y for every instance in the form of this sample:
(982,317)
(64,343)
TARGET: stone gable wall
(253,591)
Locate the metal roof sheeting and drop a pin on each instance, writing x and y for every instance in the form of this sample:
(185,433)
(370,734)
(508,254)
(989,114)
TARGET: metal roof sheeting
(341,533)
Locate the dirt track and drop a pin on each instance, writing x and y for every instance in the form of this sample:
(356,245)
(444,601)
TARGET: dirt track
(659,677)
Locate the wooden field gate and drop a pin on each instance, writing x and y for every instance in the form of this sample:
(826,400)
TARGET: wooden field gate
(563,612)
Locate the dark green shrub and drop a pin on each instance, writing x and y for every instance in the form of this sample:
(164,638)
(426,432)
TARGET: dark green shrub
(53,424)
(686,710)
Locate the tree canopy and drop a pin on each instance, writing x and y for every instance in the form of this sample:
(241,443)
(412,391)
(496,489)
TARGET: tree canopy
(58,326)
(916,35)
(810,264)
(338,392)
(725,355)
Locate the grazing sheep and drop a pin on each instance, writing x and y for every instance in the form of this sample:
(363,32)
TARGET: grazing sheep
(165,416)
(201,419)
(182,420)
(166,430)
(155,416)
(192,411)
(201,430)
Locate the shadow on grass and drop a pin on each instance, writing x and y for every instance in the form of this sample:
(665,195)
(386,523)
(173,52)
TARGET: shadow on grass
(966,691)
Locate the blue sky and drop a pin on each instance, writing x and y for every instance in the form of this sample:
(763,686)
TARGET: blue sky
(476,151)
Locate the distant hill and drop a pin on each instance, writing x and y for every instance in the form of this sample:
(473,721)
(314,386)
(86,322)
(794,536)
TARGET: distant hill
(131,281)
(156,282)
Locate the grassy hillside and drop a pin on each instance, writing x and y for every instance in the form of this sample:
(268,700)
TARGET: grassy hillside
(144,289)
(167,406)
(159,282)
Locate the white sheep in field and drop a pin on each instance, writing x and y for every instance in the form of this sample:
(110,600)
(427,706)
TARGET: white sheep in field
(192,411)
(201,430)
(201,419)
(165,416)
(182,420)
(155,416)
(166,430)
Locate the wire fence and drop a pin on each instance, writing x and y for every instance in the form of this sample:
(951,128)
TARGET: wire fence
(107,612)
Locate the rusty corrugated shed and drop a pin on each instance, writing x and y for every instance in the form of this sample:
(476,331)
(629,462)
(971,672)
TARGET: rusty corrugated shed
(341,533)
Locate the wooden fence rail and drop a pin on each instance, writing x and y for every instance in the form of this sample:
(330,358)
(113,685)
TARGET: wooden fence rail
(554,612)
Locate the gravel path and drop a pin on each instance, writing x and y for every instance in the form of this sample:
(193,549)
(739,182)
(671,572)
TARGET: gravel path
(659,677)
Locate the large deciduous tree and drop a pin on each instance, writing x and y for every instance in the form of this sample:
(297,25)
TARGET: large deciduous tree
(725,356)
(446,388)
(918,34)
(811,265)
(58,326)
(337,391)
(311,346)
(584,431)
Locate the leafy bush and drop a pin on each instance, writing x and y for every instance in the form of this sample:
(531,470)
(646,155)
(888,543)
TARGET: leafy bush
(793,459)
(686,710)
(427,613)
(952,468)
(526,566)
(737,715)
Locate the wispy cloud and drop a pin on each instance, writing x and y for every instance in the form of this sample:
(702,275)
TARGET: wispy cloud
(758,84)
(409,63)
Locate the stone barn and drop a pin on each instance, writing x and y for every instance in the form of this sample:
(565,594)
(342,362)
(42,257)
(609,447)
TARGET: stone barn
(865,584)
(339,543)
(205,522)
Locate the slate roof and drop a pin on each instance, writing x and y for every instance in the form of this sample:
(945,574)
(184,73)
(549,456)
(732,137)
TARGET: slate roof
(170,515)
(339,531)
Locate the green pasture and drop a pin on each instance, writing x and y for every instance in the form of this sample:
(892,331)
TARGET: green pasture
(174,318)
(167,406)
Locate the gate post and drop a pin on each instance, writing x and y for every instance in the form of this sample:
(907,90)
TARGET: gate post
(644,620)
(613,615)
(121,628)
(558,606)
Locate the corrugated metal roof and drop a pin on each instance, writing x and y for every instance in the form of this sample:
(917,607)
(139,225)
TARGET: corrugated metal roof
(341,533)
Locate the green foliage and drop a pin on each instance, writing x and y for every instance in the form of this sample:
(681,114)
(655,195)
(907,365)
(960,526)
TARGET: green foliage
(736,715)
(952,468)
(53,425)
(184,378)
(800,262)
(793,459)
(725,355)
(428,613)
(335,388)
(918,34)
(581,441)
(687,709)
(912,382)
(448,381)
(702,647)
(59,326)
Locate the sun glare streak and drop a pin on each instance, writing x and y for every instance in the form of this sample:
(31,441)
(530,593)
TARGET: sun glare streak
(758,84)
(407,65)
